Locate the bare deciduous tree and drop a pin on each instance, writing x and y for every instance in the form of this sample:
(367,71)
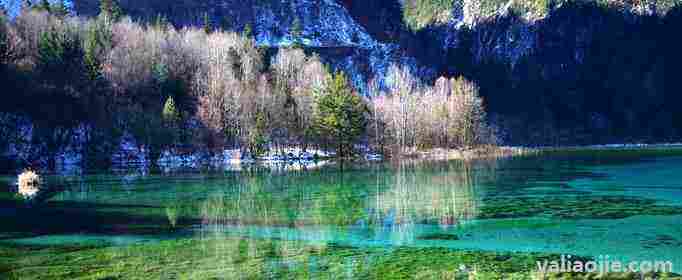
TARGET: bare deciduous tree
(450,114)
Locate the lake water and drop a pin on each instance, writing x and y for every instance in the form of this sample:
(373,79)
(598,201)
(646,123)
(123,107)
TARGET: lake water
(627,206)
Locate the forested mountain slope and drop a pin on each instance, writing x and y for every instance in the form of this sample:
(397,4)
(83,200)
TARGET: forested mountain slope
(551,72)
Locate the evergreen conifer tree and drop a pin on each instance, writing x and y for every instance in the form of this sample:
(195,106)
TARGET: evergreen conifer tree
(341,114)
(207,24)
(60,9)
(170,112)
(110,9)
(44,6)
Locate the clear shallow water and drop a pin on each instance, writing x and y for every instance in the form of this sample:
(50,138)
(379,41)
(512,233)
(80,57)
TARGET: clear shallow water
(629,208)
(659,179)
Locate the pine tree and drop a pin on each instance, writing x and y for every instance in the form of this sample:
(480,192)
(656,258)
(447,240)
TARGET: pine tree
(170,112)
(341,114)
(247,31)
(207,24)
(161,22)
(44,6)
(97,41)
(171,121)
(51,51)
(60,9)
(60,60)
(5,53)
(225,23)
(296,32)
(26,5)
(161,78)
(110,9)
(257,137)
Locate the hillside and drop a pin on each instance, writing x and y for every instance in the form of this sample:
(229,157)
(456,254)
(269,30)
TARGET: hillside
(579,71)
(166,77)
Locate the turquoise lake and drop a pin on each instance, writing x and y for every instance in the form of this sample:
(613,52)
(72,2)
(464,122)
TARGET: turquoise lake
(627,206)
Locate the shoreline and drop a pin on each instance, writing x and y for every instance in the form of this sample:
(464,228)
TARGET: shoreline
(483,152)
(491,152)
(295,156)
(629,146)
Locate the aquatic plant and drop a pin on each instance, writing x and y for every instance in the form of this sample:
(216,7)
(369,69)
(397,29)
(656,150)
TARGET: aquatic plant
(574,207)
(222,257)
(30,183)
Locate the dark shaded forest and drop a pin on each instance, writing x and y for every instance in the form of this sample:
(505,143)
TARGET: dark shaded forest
(595,75)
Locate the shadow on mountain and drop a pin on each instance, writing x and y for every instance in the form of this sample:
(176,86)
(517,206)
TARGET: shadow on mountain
(585,74)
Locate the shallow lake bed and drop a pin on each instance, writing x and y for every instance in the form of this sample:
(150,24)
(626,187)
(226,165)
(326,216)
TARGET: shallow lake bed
(389,219)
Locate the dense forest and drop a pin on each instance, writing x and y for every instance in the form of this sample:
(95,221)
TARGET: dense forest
(552,72)
(518,73)
(98,79)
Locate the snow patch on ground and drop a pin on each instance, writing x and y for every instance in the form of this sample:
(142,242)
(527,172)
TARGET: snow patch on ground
(129,152)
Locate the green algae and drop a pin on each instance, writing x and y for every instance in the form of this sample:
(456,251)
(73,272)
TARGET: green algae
(249,258)
(574,207)
(235,258)
(438,236)
(612,153)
